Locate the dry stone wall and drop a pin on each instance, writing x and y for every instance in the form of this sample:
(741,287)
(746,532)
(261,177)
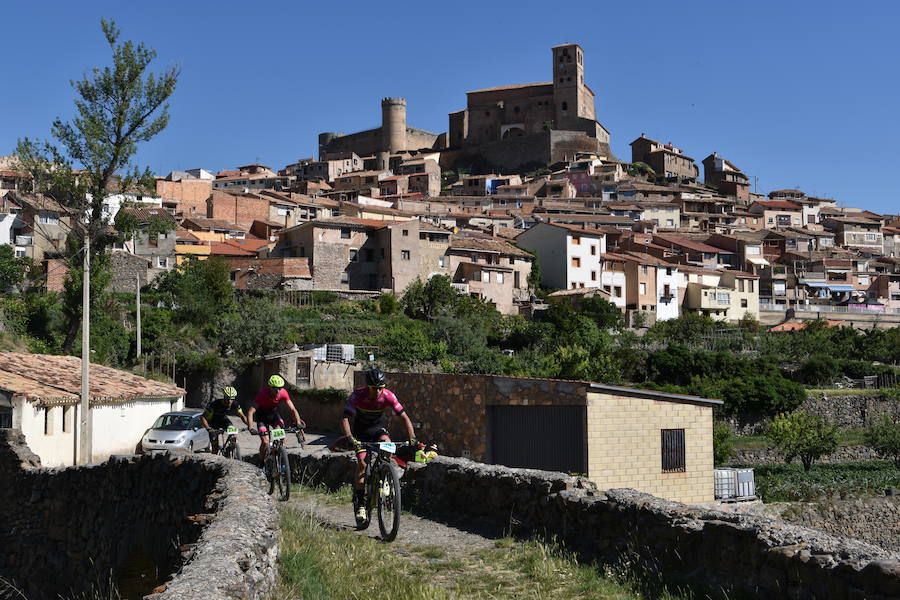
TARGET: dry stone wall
(723,554)
(767,456)
(875,519)
(846,411)
(204,523)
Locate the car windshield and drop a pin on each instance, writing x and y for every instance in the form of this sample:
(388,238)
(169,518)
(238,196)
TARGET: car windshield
(173,422)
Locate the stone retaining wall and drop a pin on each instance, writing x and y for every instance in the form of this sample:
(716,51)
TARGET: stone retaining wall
(204,522)
(874,519)
(847,411)
(764,456)
(721,553)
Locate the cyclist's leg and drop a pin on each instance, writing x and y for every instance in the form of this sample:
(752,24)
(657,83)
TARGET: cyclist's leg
(218,422)
(262,426)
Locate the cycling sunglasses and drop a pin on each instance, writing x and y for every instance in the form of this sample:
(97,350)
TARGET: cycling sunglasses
(376,387)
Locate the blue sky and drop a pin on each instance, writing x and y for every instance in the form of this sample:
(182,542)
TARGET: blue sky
(798,94)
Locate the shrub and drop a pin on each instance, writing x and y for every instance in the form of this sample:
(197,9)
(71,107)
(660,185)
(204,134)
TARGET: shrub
(321,395)
(723,447)
(388,304)
(820,369)
(883,436)
(802,435)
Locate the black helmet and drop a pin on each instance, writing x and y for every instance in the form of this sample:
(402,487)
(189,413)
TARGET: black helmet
(375,378)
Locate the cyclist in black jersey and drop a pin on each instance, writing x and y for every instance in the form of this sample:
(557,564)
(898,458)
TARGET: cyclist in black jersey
(216,415)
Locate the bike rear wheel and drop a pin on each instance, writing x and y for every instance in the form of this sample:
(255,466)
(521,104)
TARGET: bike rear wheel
(387,493)
(270,468)
(283,474)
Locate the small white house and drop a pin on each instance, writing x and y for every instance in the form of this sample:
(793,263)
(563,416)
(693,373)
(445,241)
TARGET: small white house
(40,395)
(569,255)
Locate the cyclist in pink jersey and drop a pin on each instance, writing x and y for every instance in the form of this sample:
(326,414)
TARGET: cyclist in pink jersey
(264,412)
(366,406)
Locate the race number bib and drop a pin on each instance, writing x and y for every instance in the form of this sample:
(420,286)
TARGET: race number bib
(278,434)
(231,430)
(390,447)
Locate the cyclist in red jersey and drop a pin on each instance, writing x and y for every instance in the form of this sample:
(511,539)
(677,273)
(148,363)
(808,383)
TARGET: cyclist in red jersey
(366,406)
(264,412)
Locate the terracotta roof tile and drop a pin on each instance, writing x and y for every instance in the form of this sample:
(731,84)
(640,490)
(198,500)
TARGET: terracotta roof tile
(46,378)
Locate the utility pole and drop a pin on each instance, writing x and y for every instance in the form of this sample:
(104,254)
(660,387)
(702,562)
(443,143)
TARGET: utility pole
(137,302)
(84,455)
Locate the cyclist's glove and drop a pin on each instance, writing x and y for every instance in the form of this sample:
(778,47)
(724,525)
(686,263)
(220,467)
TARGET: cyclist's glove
(413,442)
(357,447)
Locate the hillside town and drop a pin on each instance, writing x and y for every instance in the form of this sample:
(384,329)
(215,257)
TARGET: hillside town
(525,173)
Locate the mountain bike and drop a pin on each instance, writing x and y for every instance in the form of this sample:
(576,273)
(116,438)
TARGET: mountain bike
(229,448)
(381,483)
(277,467)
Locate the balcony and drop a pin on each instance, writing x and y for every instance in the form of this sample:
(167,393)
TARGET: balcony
(24,240)
(462,288)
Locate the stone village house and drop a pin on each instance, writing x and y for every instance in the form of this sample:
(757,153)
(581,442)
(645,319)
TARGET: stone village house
(40,395)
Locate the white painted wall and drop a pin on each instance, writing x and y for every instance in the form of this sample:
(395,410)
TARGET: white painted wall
(7,223)
(614,279)
(581,276)
(117,428)
(549,243)
(666,311)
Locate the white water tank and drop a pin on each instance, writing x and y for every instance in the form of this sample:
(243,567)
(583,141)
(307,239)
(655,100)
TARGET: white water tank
(341,352)
(734,484)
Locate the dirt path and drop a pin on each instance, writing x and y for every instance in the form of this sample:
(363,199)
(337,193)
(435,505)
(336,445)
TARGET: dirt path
(415,532)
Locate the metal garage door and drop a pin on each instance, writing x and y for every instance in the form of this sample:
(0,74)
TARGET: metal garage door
(538,437)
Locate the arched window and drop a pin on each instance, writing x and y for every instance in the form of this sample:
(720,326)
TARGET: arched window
(565,106)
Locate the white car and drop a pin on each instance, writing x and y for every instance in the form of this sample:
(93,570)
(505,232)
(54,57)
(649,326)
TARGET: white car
(180,430)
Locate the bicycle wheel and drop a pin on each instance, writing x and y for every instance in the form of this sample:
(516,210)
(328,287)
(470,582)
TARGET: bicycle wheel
(388,499)
(283,474)
(235,451)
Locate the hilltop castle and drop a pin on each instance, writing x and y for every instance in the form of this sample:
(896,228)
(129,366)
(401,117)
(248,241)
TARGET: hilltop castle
(506,127)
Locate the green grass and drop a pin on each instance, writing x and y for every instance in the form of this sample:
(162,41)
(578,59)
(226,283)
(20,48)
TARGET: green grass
(319,563)
(789,483)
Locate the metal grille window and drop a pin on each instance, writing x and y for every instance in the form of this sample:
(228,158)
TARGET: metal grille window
(303,368)
(672,450)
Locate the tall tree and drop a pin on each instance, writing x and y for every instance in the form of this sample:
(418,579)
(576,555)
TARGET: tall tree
(118,107)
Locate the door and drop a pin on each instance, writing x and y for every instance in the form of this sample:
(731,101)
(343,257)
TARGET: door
(551,438)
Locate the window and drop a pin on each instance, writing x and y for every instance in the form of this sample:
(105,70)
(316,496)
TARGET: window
(617,291)
(49,218)
(740,283)
(345,234)
(750,285)
(565,106)
(593,250)
(576,240)
(644,271)
(345,277)
(643,288)
(66,426)
(499,277)
(405,232)
(162,262)
(423,235)
(404,254)
(485,277)
(606,288)
(282,212)
(6,421)
(576,262)
(20,253)
(743,303)
(48,420)
(442,262)
(672,443)
(593,275)
(354,255)
(670,223)
(668,270)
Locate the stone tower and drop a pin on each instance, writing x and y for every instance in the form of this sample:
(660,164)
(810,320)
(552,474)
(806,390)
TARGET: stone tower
(571,96)
(393,124)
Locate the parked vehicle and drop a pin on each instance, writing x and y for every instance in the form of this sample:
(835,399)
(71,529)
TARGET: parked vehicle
(179,430)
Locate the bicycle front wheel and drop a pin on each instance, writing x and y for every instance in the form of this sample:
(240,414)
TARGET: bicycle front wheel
(388,498)
(283,474)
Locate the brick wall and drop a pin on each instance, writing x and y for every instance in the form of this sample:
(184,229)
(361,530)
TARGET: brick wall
(237,208)
(190,194)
